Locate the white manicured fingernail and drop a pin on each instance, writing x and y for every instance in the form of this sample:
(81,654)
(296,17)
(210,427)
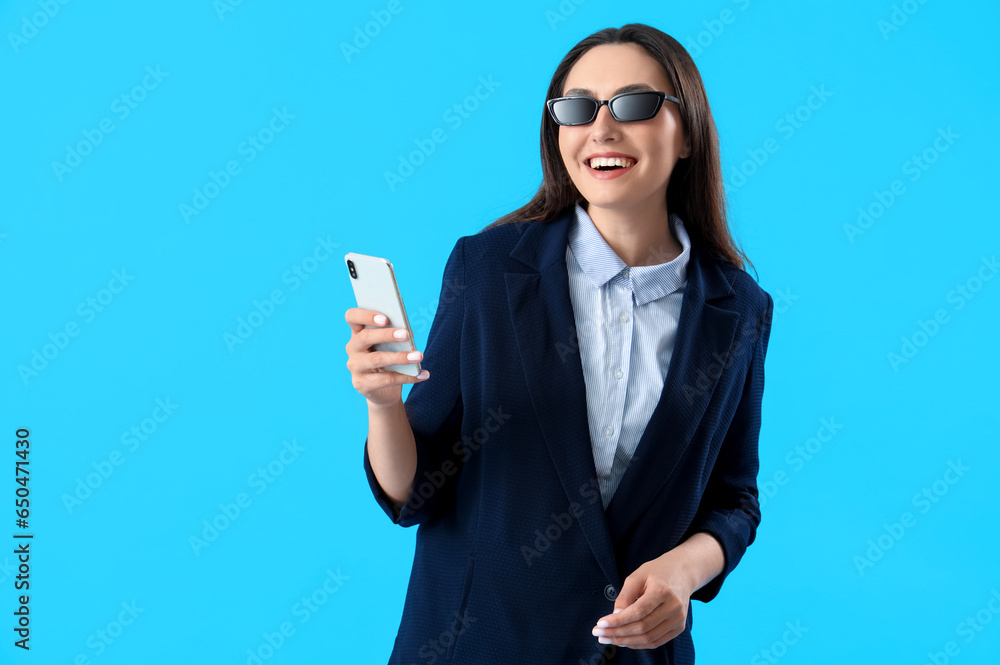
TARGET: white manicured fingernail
(399,334)
(413,355)
(380,319)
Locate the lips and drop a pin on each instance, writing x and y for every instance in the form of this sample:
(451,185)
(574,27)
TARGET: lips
(609,155)
(610,173)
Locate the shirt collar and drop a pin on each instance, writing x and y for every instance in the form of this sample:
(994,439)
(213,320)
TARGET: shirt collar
(600,263)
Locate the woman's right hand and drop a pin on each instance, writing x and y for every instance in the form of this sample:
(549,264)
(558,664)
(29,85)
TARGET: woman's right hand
(380,387)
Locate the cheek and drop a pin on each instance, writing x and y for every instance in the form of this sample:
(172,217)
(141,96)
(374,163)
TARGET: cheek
(659,143)
(565,142)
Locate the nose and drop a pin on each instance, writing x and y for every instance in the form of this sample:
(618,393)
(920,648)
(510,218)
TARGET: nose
(605,123)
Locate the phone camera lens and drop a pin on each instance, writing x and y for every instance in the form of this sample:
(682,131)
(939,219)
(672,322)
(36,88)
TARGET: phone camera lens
(350,267)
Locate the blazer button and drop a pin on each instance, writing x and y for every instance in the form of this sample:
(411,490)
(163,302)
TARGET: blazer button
(610,593)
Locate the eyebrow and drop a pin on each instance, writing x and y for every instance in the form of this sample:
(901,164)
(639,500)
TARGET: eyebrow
(632,87)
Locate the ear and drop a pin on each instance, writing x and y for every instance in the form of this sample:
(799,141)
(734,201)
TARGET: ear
(686,150)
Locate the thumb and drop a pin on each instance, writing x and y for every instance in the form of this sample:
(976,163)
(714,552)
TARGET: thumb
(634,586)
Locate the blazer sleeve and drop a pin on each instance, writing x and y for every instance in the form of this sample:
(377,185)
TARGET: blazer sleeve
(729,508)
(434,409)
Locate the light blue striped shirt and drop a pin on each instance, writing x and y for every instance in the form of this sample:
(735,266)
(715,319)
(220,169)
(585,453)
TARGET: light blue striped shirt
(624,363)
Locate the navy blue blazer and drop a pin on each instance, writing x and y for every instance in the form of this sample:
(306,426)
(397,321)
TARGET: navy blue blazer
(516,558)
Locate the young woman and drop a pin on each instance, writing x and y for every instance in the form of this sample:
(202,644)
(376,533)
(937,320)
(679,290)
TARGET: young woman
(581,450)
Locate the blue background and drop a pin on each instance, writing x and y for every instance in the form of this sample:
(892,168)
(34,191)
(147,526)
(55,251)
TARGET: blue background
(842,305)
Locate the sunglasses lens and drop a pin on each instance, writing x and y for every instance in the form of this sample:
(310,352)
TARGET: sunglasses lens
(573,111)
(640,106)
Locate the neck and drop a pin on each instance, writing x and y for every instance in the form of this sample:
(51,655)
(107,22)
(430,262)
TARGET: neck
(639,235)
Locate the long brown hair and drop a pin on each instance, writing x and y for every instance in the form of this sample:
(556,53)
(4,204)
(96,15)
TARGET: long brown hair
(696,191)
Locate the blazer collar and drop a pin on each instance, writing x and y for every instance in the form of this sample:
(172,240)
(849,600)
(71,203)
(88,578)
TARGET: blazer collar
(544,328)
(600,263)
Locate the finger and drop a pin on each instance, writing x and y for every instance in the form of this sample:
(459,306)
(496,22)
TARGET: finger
(363,340)
(654,637)
(664,617)
(637,610)
(638,626)
(379,359)
(634,588)
(641,626)
(423,376)
(384,378)
(663,633)
(358,318)
(670,634)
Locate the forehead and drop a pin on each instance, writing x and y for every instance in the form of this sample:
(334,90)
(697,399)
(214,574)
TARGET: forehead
(606,68)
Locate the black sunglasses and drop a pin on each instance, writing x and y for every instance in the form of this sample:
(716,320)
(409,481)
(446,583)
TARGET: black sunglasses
(626,107)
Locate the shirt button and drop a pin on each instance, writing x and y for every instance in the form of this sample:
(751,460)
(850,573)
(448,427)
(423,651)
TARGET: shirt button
(607,431)
(610,593)
(623,318)
(618,374)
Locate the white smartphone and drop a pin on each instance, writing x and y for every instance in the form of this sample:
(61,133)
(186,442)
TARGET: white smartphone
(375,288)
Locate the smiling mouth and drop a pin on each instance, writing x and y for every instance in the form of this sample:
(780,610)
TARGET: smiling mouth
(610,163)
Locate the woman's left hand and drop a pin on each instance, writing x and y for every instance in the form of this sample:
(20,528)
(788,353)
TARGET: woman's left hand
(652,607)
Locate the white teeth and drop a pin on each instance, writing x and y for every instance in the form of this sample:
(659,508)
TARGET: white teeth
(610,161)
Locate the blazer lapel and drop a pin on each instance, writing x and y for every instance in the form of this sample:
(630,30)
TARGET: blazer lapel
(705,336)
(542,317)
(544,326)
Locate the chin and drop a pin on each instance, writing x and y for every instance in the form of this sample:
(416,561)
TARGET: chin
(608,198)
